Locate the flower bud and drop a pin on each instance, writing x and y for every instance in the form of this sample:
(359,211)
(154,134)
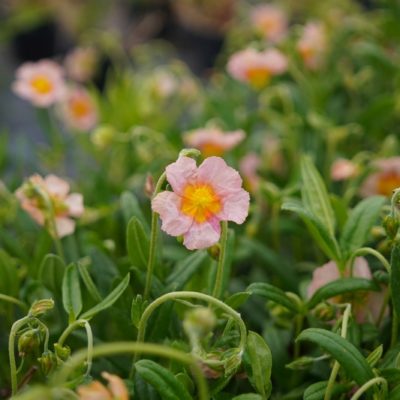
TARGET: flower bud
(48,362)
(194,153)
(28,342)
(149,186)
(62,352)
(103,136)
(39,307)
(391,225)
(214,251)
(199,322)
(325,312)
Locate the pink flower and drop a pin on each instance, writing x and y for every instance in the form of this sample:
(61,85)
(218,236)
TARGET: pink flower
(41,83)
(63,204)
(79,110)
(201,198)
(384,180)
(312,45)
(256,68)
(270,20)
(115,390)
(248,168)
(343,169)
(366,305)
(81,63)
(213,141)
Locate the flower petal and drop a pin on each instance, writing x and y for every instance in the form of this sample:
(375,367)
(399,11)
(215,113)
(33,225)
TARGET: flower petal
(74,202)
(201,236)
(323,275)
(180,173)
(167,204)
(64,226)
(235,207)
(116,386)
(56,186)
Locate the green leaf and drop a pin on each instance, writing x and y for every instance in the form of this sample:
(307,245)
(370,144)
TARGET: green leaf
(260,360)
(71,292)
(317,390)
(273,293)
(395,277)
(185,270)
(237,299)
(341,286)
(375,356)
(109,300)
(358,226)
(326,240)
(348,356)
(130,208)
(51,272)
(162,380)
(87,280)
(137,243)
(137,308)
(9,281)
(315,196)
(248,396)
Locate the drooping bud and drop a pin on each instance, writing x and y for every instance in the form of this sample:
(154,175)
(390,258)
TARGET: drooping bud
(199,322)
(48,361)
(39,307)
(62,352)
(391,225)
(28,342)
(325,312)
(194,153)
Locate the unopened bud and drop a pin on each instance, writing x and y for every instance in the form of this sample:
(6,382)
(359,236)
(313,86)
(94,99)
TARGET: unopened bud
(199,322)
(391,225)
(62,352)
(194,153)
(39,307)
(103,136)
(149,186)
(48,362)
(214,251)
(325,312)
(28,342)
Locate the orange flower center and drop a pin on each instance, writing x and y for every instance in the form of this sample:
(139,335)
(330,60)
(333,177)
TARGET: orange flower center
(388,182)
(41,84)
(79,108)
(200,202)
(258,77)
(211,149)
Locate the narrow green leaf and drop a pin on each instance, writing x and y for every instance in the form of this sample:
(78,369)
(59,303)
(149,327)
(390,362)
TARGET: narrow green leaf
(237,299)
(130,208)
(395,277)
(248,396)
(9,280)
(162,380)
(109,300)
(359,223)
(315,196)
(260,360)
(348,356)
(88,281)
(273,293)
(326,240)
(71,292)
(375,356)
(317,390)
(137,308)
(137,243)
(341,286)
(51,272)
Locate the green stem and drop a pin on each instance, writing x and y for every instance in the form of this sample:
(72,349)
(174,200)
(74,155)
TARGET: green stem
(11,351)
(221,261)
(191,295)
(47,334)
(369,384)
(66,369)
(13,300)
(395,329)
(299,326)
(368,250)
(153,240)
(89,350)
(336,365)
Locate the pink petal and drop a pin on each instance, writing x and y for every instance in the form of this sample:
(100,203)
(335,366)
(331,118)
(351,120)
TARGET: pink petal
(224,179)
(180,173)
(74,202)
(167,204)
(57,186)
(235,207)
(201,236)
(323,275)
(64,226)
(361,268)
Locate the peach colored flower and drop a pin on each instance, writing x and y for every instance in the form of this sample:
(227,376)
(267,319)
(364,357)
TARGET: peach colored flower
(256,68)
(270,20)
(384,180)
(79,109)
(248,167)
(366,306)
(343,169)
(41,83)
(213,141)
(115,390)
(201,198)
(81,63)
(64,205)
(312,45)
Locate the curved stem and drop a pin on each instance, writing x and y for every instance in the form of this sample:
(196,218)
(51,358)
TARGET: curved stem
(17,325)
(79,323)
(221,261)
(368,250)
(47,334)
(153,240)
(191,295)
(134,347)
(369,384)
(336,365)
(13,300)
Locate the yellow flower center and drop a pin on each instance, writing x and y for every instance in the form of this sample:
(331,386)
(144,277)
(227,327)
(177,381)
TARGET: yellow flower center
(258,77)
(388,182)
(200,202)
(79,108)
(41,84)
